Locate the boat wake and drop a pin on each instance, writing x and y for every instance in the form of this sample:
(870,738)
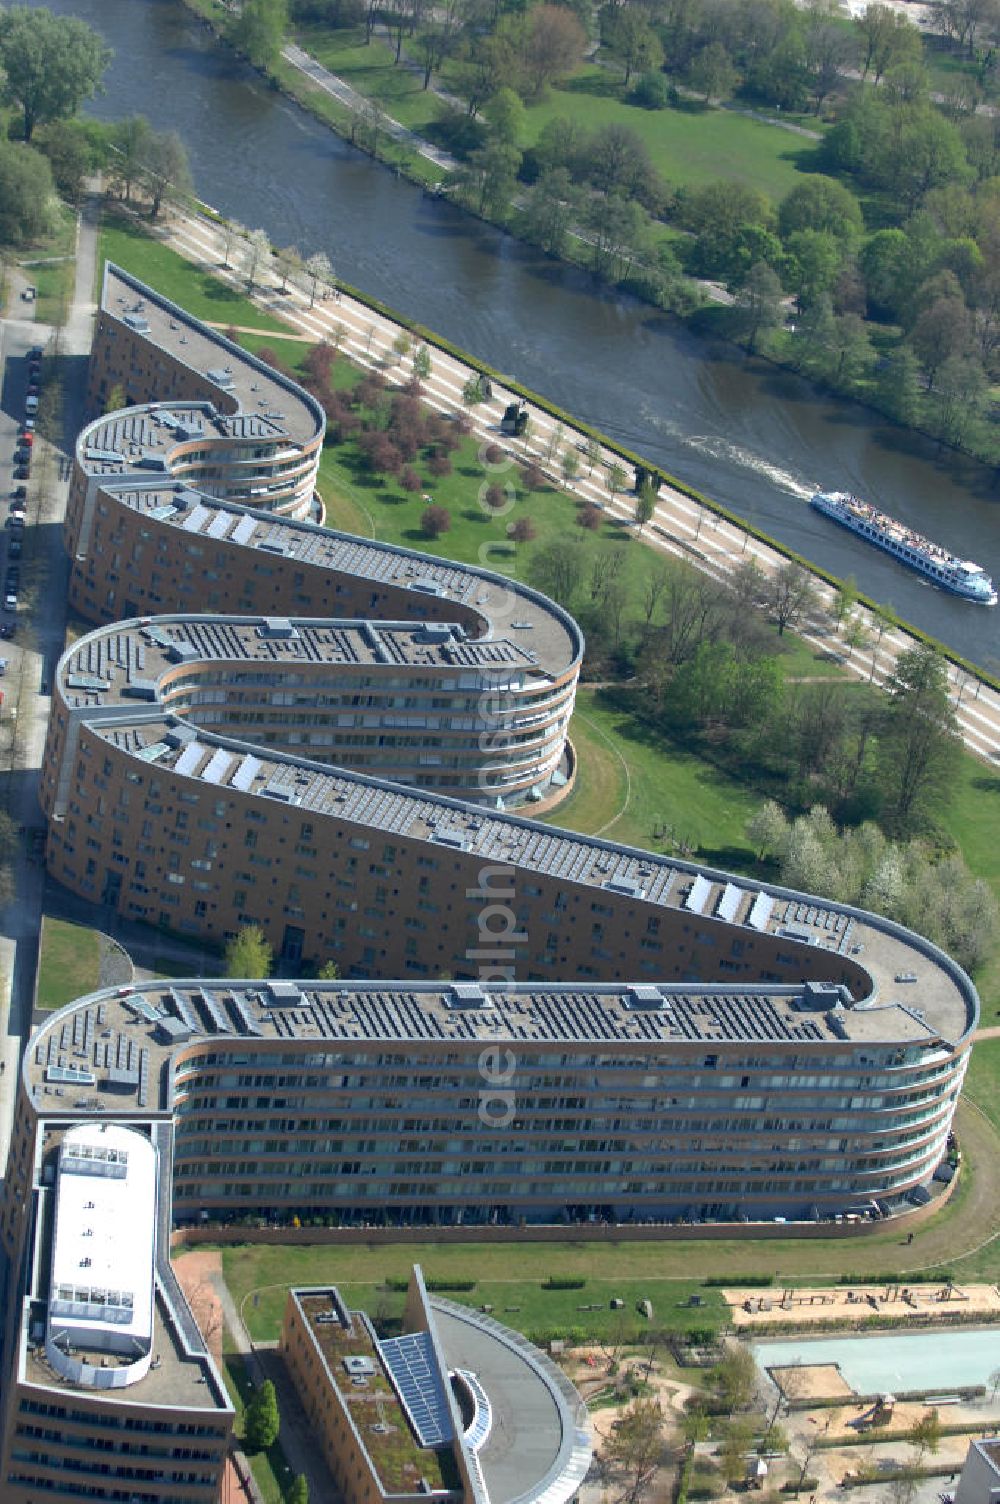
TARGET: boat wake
(715,447)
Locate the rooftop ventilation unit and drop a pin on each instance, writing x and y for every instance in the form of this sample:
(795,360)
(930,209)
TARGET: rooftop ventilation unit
(137,322)
(466,996)
(643,997)
(275,627)
(219,377)
(285,995)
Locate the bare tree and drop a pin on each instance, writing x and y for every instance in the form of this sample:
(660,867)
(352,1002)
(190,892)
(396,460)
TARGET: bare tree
(636,1447)
(232,233)
(257,255)
(318,272)
(790,594)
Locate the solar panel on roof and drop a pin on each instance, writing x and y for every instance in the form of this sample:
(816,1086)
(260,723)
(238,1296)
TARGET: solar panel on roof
(416,1378)
(190,758)
(217,766)
(243,531)
(245,774)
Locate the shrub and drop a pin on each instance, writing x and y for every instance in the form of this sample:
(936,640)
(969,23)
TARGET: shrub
(532,477)
(450,1282)
(493,454)
(752,1281)
(589,517)
(410,480)
(522,531)
(434,521)
(564,1282)
(262,1422)
(652,92)
(496,496)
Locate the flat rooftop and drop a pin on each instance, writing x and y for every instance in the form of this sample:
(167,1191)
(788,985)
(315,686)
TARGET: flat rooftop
(119,663)
(258,397)
(399,1460)
(103,1251)
(904,971)
(538,625)
(110,1053)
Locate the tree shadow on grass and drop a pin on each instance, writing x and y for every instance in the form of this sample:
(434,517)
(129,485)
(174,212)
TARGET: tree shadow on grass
(602,85)
(220,292)
(989,785)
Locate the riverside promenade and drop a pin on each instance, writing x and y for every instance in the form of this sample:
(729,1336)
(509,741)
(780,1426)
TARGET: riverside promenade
(680,526)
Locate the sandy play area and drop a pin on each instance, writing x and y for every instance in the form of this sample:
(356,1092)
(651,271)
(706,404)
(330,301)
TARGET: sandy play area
(854,1306)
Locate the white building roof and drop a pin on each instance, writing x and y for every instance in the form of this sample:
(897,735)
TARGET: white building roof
(103,1249)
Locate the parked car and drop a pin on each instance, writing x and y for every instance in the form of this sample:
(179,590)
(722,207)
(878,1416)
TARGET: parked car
(14,548)
(16,519)
(10,601)
(35,353)
(22,455)
(31,406)
(19,493)
(7,628)
(22,472)
(30,294)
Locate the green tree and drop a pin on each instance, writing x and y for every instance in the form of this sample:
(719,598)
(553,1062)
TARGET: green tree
(645,505)
(757,304)
(962,388)
(816,260)
(820,203)
(299,1491)
(27,194)
(70,154)
(129,141)
(248,954)
(814,337)
(942,330)
(627,36)
(490,178)
(899,385)
(918,748)
(165,170)
(557,569)
(421,362)
(617,228)
(552,47)
(552,210)
(886,263)
(261,1421)
(329,972)
(51,64)
(711,72)
(886,40)
(258,29)
(852,354)
(768,830)
(734,1377)
(506,117)
(926,1433)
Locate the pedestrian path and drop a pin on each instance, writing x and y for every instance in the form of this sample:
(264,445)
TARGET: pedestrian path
(360,103)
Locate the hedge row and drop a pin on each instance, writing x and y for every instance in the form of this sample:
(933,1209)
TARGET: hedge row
(563,1282)
(924,1277)
(747,1281)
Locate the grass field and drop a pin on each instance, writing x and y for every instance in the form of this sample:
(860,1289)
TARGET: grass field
(523,1304)
(636,789)
(982,1082)
(199,292)
(68,962)
(50,267)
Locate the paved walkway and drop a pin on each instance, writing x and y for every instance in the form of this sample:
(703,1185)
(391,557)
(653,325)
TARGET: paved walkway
(681,527)
(361,104)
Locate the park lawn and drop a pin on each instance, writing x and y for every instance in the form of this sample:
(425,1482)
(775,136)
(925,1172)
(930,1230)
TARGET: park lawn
(523,1304)
(198,291)
(371,69)
(689,145)
(982,1081)
(69,961)
(639,789)
(53,278)
(973,819)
